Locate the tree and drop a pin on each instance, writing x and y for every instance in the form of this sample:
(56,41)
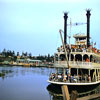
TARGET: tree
(4,52)
(26,54)
(30,55)
(18,54)
(13,53)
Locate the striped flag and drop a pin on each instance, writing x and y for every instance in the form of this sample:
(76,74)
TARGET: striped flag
(90,47)
(70,23)
(95,43)
(70,26)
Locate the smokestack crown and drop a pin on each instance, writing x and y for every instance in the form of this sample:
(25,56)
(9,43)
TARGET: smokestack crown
(88,12)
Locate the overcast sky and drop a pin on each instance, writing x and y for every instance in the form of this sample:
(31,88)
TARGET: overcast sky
(33,25)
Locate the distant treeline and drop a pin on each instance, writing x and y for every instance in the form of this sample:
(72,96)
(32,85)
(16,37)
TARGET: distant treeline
(12,56)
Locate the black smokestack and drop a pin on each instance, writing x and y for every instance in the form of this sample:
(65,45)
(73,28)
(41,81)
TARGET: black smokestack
(65,27)
(88,14)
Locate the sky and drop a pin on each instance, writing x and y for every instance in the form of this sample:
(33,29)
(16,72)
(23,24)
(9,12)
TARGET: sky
(33,25)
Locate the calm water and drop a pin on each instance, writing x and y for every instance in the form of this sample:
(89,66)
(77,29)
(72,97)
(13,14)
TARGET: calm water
(22,83)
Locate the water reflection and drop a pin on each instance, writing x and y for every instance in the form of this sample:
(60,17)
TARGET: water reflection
(5,73)
(11,71)
(30,83)
(23,83)
(55,92)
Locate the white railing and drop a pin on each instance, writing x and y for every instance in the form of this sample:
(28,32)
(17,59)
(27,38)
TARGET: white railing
(74,64)
(80,63)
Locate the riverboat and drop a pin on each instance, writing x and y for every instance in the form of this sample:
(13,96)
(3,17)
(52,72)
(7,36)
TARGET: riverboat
(76,64)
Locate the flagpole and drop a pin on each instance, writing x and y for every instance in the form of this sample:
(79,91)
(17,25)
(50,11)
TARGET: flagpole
(70,41)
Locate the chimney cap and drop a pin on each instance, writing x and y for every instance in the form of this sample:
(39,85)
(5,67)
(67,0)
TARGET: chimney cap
(65,15)
(88,14)
(65,12)
(88,10)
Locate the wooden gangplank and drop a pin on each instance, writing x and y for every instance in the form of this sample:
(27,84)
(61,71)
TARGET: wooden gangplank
(89,97)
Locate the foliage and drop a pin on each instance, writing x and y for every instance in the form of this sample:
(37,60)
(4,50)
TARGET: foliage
(9,55)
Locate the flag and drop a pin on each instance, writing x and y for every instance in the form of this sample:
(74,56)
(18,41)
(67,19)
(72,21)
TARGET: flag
(95,43)
(70,26)
(90,47)
(70,23)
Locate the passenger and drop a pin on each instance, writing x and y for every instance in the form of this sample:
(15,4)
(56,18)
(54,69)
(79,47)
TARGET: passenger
(75,78)
(68,77)
(89,78)
(59,77)
(65,77)
(51,77)
(79,78)
(87,60)
(62,77)
(56,76)
(71,80)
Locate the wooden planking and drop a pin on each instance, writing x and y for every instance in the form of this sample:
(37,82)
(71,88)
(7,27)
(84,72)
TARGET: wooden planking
(89,97)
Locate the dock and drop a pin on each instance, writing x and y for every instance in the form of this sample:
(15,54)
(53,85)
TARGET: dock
(90,97)
(74,94)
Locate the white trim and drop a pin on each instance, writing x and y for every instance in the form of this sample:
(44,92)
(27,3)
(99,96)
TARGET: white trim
(79,64)
(65,83)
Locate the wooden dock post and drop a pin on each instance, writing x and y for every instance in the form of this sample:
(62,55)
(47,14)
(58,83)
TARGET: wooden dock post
(65,92)
(74,95)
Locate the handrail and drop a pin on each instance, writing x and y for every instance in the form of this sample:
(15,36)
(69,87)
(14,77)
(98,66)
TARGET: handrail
(74,62)
(77,64)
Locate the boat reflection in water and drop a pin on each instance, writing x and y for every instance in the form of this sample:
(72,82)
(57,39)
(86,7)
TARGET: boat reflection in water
(56,92)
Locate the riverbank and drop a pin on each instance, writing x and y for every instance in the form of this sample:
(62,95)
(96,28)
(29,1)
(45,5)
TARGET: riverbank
(28,65)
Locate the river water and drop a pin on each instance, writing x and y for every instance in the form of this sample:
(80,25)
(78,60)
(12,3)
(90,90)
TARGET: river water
(27,83)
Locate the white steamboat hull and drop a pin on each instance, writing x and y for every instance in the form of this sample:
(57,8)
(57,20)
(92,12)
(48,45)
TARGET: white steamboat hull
(73,84)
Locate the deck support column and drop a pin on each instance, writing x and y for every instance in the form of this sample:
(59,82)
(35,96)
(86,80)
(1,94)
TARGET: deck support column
(64,72)
(89,72)
(77,71)
(98,74)
(69,71)
(77,74)
(89,60)
(58,57)
(89,77)
(74,58)
(95,75)
(56,70)
(82,59)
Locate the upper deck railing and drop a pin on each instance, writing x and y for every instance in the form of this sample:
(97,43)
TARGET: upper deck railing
(89,50)
(77,64)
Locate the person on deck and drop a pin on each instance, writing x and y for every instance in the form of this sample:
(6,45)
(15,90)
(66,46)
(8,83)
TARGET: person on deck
(87,60)
(65,77)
